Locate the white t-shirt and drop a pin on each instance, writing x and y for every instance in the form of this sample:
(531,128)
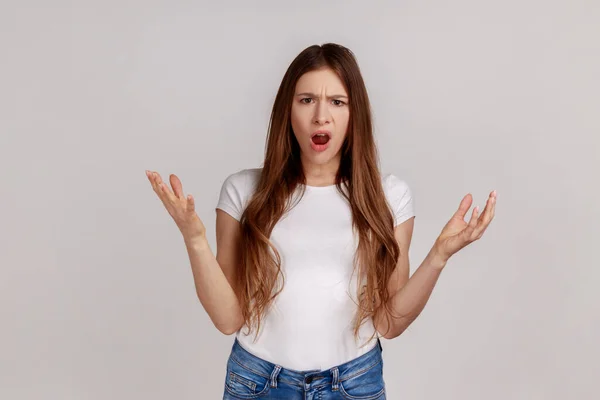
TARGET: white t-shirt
(310,324)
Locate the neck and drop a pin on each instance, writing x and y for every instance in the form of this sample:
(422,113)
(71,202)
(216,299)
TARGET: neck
(321,174)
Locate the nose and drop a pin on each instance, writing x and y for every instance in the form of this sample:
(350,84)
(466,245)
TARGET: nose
(321,114)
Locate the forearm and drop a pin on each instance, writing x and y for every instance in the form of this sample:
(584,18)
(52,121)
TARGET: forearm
(409,301)
(212,287)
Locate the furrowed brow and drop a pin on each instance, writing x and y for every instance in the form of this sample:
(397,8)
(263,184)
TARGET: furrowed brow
(335,96)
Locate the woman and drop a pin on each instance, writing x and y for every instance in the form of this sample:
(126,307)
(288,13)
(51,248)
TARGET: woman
(312,249)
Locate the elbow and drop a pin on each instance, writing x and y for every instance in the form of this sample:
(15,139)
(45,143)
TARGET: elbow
(388,333)
(397,327)
(392,334)
(388,336)
(230,327)
(228,331)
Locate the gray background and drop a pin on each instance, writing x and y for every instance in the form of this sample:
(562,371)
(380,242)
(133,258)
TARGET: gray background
(96,294)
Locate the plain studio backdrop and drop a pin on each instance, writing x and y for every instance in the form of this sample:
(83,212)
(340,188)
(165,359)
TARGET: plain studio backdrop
(97,299)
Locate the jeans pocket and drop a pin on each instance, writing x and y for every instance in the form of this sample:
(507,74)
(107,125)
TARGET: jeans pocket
(243,383)
(364,385)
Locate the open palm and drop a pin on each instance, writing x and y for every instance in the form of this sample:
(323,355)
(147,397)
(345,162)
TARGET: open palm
(458,233)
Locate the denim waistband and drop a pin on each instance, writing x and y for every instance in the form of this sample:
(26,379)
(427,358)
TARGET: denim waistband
(332,376)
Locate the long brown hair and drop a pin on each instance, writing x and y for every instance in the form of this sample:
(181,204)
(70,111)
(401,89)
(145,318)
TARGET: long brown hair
(358,179)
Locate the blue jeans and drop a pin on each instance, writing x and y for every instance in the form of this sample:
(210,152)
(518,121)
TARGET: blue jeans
(251,377)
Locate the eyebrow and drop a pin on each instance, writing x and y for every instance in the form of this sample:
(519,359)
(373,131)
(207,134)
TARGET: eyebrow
(335,96)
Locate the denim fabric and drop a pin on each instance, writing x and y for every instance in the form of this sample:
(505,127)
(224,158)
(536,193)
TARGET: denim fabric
(250,377)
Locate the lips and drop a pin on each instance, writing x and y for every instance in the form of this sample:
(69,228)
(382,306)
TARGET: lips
(321,132)
(320,137)
(320,140)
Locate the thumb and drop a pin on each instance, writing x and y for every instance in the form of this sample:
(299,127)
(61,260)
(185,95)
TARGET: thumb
(464,206)
(176,185)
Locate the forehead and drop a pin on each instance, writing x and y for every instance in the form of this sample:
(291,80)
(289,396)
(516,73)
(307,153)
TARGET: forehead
(321,79)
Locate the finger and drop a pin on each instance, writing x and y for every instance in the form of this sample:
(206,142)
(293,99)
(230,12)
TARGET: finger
(158,187)
(167,192)
(486,212)
(150,175)
(464,206)
(153,181)
(176,185)
(492,207)
(492,210)
(156,183)
(474,217)
(163,188)
(486,217)
(468,231)
(191,203)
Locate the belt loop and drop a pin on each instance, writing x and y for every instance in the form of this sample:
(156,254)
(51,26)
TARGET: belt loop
(335,383)
(274,375)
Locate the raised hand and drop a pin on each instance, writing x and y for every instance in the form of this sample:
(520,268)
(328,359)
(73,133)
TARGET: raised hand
(458,233)
(181,208)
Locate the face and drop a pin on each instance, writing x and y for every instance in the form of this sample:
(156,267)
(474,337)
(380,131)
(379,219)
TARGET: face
(320,104)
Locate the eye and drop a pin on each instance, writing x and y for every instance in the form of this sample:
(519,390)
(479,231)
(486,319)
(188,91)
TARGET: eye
(339,103)
(306,98)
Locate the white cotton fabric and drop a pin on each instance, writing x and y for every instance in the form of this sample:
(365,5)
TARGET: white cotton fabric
(310,324)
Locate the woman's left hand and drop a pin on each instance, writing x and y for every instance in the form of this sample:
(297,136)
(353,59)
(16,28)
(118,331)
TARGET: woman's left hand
(458,233)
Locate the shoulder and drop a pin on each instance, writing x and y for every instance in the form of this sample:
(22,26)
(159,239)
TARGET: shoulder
(236,190)
(400,197)
(243,180)
(394,184)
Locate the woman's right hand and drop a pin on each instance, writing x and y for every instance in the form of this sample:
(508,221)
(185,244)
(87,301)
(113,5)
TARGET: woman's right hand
(181,208)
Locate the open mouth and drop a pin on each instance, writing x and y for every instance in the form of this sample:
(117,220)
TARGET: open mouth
(320,138)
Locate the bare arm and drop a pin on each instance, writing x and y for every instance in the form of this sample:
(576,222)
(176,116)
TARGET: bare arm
(213,278)
(213,288)
(410,300)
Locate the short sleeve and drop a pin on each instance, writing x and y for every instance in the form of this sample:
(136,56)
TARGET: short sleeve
(400,198)
(235,192)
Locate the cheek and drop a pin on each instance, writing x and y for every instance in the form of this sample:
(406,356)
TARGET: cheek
(342,118)
(298,120)
(344,115)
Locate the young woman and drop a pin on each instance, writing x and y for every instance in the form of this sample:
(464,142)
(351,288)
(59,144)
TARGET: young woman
(312,260)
